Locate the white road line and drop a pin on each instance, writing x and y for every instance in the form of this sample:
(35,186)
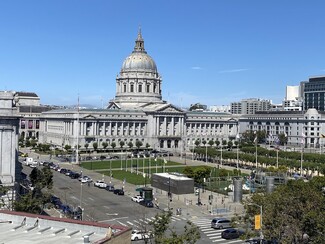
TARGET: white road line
(107,207)
(129,223)
(121,223)
(91,199)
(136,221)
(213,234)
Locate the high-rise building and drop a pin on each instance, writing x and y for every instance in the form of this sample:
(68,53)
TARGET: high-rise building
(250,106)
(314,93)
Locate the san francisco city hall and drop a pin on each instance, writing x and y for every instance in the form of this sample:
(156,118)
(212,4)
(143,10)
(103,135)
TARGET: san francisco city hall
(137,112)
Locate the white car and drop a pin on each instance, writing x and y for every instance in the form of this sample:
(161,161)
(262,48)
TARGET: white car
(100,184)
(139,235)
(86,179)
(137,198)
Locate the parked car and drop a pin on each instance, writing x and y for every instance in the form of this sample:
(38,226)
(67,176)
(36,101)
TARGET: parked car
(118,192)
(100,184)
(74,175)
(110,187)
(147,203)
(137,198)
(102,157)
(86,179)
(220,223)
(140,235)
(231,233)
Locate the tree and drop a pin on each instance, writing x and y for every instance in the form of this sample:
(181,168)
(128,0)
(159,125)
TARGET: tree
(283,139)
(122,143)
(230,144)
(224,143)
(138,144)
(67,147)
(147,145)
(130,145)
(217,143)
(113,145)
(34,201)
(204,142)
(95,146)
(161,225)
(104,144)
(291,212)
(211,142)
(197,143)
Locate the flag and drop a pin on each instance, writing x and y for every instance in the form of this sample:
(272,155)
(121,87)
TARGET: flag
(237,136)
(276,140)
(303,136)
(255,139)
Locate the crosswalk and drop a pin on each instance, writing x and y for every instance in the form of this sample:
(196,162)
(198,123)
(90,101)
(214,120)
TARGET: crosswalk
(139,223)
(213,235)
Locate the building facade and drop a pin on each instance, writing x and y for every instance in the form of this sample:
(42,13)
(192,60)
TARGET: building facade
(250,106)
(314,93)
(137,113)
(9,126)
(302,128)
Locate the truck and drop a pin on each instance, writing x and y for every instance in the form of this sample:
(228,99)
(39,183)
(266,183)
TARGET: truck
(30,162)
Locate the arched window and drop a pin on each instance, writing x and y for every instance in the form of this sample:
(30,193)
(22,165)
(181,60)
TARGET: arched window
(124,88)
(148,87)
(132,88)
(140,88)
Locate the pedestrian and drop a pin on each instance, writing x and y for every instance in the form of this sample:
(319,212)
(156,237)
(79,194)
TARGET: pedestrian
(222,200)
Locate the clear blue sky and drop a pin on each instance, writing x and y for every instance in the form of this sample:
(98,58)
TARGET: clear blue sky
(213,51)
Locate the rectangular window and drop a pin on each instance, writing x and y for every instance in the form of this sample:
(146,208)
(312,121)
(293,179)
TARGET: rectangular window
(140,88)
(30,124)
(22,124)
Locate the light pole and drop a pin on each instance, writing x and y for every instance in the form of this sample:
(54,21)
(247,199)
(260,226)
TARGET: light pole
(261,220)
(110,171)
(206,154)
(80,202)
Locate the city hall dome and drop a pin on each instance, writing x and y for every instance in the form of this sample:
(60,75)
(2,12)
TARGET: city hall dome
(139,60)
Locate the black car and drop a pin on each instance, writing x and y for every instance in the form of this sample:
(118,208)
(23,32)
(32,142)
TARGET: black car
(231,233)
(74,175)
(146,203)
(118,192)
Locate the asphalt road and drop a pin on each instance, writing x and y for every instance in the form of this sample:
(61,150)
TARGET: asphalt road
(103,206)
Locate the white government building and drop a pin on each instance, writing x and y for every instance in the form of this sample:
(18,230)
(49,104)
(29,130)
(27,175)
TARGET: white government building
(136,113)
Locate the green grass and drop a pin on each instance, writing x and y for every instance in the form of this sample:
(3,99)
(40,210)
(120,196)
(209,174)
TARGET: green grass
(116,164)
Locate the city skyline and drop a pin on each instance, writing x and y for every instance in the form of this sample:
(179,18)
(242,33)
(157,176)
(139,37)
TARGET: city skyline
(213,53)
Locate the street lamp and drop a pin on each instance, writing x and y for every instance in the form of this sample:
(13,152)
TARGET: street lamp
(110,171)
(261,220)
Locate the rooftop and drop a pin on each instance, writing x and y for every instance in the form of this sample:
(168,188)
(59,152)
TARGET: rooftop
(18,227)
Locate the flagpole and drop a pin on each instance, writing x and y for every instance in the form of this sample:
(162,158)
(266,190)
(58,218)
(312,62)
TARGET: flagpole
(255,149)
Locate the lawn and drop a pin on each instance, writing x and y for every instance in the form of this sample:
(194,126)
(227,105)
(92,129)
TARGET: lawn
(130,163)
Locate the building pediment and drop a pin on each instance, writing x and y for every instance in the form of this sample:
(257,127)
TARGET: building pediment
(89,116)
(170,109)
(113,106)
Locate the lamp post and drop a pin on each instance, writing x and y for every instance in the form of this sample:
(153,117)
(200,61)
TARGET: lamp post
(261,220)
(206,153)
(80,201)
(169,194)
(110,171)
